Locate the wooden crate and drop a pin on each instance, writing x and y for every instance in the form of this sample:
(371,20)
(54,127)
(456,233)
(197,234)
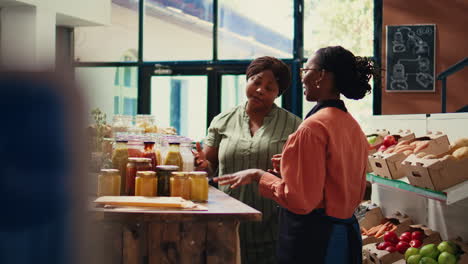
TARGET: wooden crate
(436,174)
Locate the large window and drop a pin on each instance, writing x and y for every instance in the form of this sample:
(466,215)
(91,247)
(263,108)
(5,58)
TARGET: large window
(200,71)
(249,29)
(348,23)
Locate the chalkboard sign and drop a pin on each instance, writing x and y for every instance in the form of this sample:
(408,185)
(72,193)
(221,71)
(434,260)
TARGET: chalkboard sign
(410,58)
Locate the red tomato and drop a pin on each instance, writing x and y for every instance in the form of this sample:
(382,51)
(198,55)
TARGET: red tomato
(406,236)
(415,243)
(391,237)
(417,235)
(384,245)
(402,246)
(391,249)
(389,141)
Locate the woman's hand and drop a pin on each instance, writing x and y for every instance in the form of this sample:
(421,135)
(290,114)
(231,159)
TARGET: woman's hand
(276,161)
(201,163)
(240,178)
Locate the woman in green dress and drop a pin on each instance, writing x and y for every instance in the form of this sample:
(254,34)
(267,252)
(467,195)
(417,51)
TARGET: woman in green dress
(247,136)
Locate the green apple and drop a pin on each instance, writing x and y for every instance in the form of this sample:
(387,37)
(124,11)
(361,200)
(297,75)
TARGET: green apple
(430,251)
(414,259)
(447,258)
(371,140)
(444,246)
(427,260)
(411,251)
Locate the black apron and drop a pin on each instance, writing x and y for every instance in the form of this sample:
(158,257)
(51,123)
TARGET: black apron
(316,237)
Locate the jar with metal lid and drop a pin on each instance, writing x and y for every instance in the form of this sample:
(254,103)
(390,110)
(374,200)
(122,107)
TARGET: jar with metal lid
(199,182)
(147,123)
(188,159)
(180,185)
(146,183)
(133,166)
(121,123)
(119,160)
(173,156)
(109,183)
(135,147)
(164,178)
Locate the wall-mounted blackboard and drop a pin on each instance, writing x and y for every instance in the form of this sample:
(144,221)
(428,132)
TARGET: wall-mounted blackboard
(410,58)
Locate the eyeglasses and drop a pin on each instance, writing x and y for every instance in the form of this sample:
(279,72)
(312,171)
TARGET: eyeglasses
(303,71)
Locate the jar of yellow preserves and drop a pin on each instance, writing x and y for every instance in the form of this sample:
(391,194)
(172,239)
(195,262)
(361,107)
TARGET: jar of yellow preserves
(173,156)
(109,183)
(146,183)
(180,185)
(199,182)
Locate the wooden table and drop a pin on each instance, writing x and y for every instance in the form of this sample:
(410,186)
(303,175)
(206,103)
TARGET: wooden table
(169,236)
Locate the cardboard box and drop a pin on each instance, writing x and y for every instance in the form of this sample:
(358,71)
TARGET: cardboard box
(436,174)
(377,256)
(389,165)
(464,247)
(375,217)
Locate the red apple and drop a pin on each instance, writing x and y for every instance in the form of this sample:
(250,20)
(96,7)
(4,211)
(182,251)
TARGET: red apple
(384,245)
(406,236)
(391,249)
(402,246)
(389,141)
(415,243)
(418,235)
(391,237)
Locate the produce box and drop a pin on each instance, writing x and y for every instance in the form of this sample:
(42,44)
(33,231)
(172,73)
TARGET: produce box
(387,164)
(377,256)
(464,247)
(436,174)
(375,217)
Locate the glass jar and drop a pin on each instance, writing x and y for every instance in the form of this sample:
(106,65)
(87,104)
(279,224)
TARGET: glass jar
(150,154)
(180,185)
(173,156)
(133,166)
(164,179)
(121,123)
(109,183)
(147,123)
(187,156)
(135,148)
(199,182)
(146,183)
(119,160)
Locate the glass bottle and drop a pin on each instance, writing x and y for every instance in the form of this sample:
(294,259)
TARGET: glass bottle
(147,123)
(164,178)
(134,165)
(146,183)
(109,183)
(180,185)
(150,154)
(173,156)
(119,160)
(187,156)
(199,182)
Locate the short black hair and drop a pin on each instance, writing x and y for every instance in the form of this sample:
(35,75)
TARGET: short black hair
(280,71)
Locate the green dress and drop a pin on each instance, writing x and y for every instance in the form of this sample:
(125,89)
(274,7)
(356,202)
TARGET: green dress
(238,150)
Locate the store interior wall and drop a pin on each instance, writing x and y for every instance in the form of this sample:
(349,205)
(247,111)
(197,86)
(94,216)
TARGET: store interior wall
(451,45)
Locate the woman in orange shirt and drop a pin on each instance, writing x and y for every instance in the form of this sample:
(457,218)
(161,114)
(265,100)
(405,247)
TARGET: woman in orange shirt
(322,166)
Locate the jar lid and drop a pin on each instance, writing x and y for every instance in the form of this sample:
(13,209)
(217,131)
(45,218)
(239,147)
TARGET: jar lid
(149,142)
(174,143)
(167,167)
(121,141)
(198,173)
(180,174)
(146,174)
(109,171)
(133,159)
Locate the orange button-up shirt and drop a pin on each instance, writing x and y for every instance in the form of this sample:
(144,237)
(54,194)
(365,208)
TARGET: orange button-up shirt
(323,166)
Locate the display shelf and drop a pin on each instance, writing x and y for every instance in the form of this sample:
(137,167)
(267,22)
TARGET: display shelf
(449,196)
